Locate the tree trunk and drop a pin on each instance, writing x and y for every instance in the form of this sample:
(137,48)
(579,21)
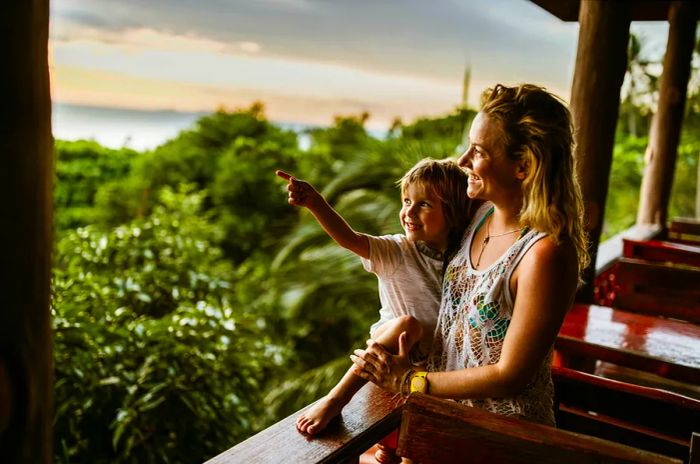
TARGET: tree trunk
(26,176)
(665,132)
(595,102)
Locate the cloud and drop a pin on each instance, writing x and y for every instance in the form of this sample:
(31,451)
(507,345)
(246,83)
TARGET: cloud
(412,36)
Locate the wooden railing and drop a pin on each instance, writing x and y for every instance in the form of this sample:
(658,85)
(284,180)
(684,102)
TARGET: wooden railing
(436,431)
(368,418)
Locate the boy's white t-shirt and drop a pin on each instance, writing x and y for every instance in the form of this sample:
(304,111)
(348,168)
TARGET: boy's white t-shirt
(410,282)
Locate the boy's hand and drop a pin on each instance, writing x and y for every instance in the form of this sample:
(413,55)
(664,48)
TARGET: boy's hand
(301,193)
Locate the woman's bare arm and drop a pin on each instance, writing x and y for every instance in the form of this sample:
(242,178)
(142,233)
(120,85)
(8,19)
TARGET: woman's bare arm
(546,284)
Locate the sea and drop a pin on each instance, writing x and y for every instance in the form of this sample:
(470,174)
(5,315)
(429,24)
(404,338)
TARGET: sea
(141,130)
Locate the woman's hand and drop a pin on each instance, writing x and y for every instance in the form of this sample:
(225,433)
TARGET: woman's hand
(380,367)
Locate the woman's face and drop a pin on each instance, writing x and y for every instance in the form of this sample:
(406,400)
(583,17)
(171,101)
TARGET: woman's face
(493,176)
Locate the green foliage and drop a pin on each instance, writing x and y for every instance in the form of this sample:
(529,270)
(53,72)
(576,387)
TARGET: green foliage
(81,168)
(234,156)
(198,306)
(154,361)
(685,181)
(623,188)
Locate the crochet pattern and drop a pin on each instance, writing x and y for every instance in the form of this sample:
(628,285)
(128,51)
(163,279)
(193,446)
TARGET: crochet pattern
(475,312)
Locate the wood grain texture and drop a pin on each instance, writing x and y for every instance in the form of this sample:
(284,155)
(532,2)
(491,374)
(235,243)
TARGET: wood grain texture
(595,99)
(647,418)
(658,289)
(441,431)
(26,187)
(370,416)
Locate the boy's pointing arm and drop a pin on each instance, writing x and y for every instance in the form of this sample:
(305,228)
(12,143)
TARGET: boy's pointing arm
(302,193)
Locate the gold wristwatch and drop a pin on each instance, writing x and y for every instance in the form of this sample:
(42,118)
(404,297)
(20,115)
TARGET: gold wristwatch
(419,382)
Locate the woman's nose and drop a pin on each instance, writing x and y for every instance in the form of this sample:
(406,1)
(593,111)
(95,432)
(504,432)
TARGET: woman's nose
(465,160)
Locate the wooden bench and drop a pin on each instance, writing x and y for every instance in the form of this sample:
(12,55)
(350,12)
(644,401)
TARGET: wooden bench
(608,254)
(664,347)
(684,230)
(646,418)
(657,289)
(662,251)
(441,431)
(369,417)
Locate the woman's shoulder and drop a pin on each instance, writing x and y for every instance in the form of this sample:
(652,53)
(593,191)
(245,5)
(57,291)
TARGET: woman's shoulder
(549,252)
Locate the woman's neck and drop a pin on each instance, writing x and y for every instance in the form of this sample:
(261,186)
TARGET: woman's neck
(505,218)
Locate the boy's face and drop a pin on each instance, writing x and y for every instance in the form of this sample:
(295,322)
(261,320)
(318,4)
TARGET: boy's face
(422,216)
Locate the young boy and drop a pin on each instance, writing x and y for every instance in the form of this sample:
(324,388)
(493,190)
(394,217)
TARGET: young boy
(434,215)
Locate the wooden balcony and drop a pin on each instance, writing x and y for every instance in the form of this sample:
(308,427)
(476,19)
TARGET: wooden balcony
(600,419)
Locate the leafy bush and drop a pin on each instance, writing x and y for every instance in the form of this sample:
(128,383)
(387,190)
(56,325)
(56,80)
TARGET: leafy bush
(153,361)
(81,168)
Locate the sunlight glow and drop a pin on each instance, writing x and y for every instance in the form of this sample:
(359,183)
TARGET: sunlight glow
(148,69)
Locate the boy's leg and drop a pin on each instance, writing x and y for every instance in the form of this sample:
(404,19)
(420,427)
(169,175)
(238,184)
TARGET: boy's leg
(317,416)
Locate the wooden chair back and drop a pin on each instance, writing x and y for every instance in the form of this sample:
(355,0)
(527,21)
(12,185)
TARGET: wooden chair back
(646,418)
(662,251)
(658,289)
(441,431)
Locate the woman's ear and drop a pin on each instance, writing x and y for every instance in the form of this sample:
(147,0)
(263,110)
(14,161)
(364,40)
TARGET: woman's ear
(522,169)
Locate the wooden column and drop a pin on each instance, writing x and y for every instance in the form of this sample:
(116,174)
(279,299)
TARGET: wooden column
(665,131)
(595,101)
(26,176)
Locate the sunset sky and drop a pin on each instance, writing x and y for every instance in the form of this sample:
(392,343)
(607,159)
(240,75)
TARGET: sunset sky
(307,60)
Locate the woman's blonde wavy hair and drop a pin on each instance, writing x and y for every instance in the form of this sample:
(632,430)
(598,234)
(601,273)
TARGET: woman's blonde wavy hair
(537,129)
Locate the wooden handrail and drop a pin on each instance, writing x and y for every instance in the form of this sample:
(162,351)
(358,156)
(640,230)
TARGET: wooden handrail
(439,431)
(368,418)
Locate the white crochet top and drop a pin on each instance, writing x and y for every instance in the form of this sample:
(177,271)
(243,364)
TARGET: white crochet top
(475,312)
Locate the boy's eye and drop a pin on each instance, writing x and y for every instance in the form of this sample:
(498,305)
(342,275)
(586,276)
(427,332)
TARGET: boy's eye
(406,201)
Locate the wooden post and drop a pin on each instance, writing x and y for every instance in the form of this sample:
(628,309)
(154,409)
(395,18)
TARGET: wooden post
(665,131)
(595,101)
(26,177)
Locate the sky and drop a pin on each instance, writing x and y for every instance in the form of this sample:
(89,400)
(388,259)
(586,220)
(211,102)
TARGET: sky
(306,60)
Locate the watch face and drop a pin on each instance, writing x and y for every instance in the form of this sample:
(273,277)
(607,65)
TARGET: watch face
(418,384)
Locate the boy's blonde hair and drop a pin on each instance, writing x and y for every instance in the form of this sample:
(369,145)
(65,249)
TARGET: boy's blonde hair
(449,183)
(536,128)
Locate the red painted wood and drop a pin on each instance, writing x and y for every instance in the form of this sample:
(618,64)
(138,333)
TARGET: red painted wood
(660,346)
(662,251)
(658,289)
(442,431)
(684,229)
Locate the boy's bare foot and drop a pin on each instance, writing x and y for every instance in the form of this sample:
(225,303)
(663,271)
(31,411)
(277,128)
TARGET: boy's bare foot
(320,414)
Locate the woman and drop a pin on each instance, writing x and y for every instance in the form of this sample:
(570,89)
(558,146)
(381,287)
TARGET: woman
(507,290)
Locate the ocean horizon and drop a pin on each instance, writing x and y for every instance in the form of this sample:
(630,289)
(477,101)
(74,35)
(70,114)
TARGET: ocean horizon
(141,130)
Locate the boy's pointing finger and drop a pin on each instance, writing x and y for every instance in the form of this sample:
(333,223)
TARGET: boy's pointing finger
(283,175)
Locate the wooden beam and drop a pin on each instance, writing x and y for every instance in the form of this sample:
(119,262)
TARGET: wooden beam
(666,126)
(641,10)
(26,175)
(595,101)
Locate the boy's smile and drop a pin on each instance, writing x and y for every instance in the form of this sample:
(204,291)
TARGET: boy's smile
(422,217)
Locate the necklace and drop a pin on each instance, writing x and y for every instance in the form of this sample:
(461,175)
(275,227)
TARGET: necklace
(489,237)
